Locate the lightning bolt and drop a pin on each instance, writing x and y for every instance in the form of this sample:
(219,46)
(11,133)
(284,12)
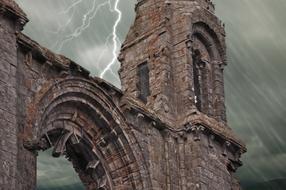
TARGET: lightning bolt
(104,50)
(62,28)
(114,39)
(86,21)
(67,10)
(106,47)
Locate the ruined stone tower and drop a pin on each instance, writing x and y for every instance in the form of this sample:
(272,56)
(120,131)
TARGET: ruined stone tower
(165,130)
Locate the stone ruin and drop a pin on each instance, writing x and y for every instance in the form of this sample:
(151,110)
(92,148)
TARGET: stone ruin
(166,129)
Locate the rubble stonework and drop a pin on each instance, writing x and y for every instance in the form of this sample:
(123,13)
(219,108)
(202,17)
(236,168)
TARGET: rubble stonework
(176,137)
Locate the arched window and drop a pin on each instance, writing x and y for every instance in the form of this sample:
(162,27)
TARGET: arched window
(201,81)
(207,78)
(196,77)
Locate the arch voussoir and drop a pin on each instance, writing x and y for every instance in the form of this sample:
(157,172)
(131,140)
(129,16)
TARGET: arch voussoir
(81,121)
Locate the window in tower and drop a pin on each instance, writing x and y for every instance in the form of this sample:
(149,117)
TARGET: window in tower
(143,82)
(197,82)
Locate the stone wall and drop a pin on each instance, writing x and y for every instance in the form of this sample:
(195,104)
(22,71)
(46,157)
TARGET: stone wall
(193,157)
(8,101)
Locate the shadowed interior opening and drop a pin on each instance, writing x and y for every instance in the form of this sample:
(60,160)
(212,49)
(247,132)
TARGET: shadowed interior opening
(75,156)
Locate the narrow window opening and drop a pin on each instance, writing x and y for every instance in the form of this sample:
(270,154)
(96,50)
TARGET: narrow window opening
(143,83)
(196,76)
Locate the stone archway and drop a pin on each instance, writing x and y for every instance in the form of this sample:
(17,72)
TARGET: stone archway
(81,121)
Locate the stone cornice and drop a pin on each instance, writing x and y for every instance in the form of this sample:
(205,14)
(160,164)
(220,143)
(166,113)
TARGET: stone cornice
(211,125)
(11,8)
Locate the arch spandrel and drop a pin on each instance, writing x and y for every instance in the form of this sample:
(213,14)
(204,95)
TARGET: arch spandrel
(80,120)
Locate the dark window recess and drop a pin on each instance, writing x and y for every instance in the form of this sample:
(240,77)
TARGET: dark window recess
(197,85)
(143,84)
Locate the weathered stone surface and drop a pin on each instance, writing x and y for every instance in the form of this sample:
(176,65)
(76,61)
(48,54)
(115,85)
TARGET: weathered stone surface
(177,138)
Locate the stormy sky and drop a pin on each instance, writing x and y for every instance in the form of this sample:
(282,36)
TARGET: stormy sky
(255,76)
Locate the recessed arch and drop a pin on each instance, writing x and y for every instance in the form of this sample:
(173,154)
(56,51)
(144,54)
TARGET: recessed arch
(80,120)
(207,71)
(208,37)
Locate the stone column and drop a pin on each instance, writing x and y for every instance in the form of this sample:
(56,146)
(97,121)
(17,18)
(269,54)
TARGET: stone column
(11,21)
(8,99)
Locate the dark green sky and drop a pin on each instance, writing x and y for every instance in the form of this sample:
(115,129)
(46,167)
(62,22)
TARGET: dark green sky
(255,77)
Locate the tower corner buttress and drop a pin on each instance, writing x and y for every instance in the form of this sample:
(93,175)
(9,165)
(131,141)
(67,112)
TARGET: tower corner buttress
(12,20)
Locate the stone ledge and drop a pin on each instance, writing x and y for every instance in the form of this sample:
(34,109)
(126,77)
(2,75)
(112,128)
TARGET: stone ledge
(14,9)
(61,62)
(218,128)
(49,57)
